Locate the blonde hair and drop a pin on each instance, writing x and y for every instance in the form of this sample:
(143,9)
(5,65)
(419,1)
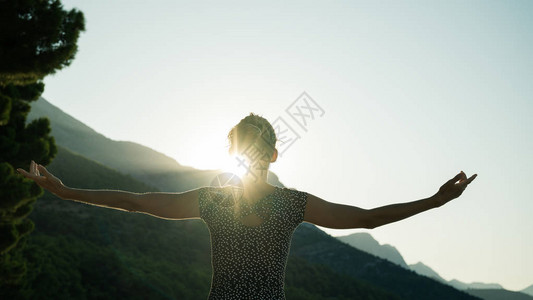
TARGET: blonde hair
(256,130)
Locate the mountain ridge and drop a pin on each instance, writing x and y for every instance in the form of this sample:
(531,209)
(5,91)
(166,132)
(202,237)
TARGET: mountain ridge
(82,139)
(139,161)
(528,290)
(365,242)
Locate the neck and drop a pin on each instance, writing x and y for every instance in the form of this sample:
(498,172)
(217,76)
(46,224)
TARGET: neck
(257,173)
(257,180)
(256,188)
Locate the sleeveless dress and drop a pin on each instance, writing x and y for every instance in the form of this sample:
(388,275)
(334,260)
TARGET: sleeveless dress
(249,261)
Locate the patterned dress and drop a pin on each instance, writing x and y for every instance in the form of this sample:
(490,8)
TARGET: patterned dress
(249,261)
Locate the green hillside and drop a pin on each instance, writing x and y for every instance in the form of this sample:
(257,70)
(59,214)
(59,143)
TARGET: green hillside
(95,174)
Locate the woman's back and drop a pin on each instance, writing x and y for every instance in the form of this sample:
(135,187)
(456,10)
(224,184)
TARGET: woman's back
(249,260)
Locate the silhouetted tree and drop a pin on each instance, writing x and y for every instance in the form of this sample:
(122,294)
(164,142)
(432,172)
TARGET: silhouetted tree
(37,38)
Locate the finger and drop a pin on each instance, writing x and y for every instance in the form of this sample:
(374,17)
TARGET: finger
(23,172)
(463,176)
(37,170)
(468,180)
(455,179)
(44,171)
(471,178)
(32,167)
(463,184)
(27,174)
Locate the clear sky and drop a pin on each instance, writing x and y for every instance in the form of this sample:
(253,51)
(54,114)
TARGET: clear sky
(413,92)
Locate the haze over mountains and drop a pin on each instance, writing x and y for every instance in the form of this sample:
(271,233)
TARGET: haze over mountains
(364,241)
(139,161)
(90,160)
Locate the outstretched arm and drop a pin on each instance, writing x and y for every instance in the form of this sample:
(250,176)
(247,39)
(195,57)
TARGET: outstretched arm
(339,216)
(162,205)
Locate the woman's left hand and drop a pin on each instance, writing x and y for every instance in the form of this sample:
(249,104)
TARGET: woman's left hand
(453,188)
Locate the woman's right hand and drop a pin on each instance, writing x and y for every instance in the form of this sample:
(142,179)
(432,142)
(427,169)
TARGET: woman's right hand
(46,181)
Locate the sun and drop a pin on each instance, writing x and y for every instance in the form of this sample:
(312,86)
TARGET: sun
(210,152)
(204,152)
(235,164)
(214,157)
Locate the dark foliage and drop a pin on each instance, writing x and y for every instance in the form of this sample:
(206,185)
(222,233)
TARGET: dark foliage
(36,39)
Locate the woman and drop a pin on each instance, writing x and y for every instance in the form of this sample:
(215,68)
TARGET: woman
(251,229)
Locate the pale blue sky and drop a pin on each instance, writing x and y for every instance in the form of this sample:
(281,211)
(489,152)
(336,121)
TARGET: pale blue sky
(413,93)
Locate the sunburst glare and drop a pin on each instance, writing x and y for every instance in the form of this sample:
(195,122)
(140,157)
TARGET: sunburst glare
(235,164)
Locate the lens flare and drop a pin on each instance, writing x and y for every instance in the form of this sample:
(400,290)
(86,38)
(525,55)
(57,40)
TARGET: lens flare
(237,165)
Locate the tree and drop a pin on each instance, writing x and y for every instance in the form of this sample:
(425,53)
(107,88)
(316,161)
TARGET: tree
(37,38)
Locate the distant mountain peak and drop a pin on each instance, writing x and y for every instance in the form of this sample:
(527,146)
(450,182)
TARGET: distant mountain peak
(474,285)
(366,242)
(423,269)
(528,290)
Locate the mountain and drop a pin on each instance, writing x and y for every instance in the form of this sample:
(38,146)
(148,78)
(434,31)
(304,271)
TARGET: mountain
(139,161)
(367,243)
(422,269)
(487,291)
(317,247)
(96,175)
(364,241)
(498,294)
(528,290)
(474,285)
(78,137)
